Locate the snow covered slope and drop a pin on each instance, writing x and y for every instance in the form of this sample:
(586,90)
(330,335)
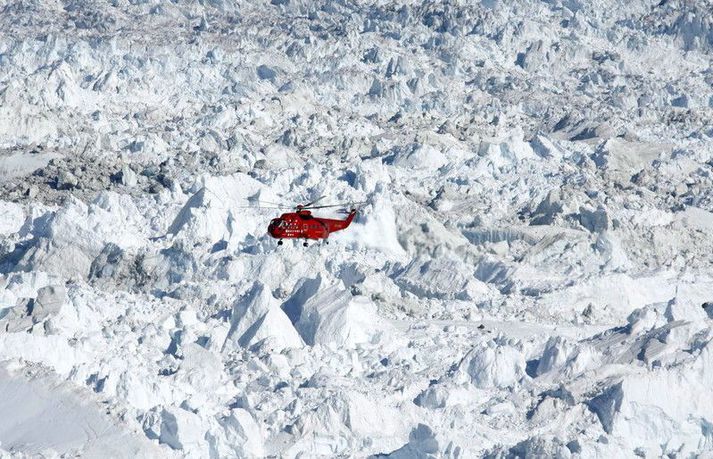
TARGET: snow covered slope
(532,275)
(41,416)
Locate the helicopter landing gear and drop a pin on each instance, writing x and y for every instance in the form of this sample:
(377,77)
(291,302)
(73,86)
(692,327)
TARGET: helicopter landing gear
(279,242)
(304,244)
(326,242)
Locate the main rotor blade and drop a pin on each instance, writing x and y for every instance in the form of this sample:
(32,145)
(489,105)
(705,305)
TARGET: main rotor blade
(348,204)
(322,207)
(309,204)
(271,203)
(263,207)
(259,204)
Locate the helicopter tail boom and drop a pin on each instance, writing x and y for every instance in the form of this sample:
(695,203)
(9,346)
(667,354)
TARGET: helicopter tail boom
(351,216)
(336,225)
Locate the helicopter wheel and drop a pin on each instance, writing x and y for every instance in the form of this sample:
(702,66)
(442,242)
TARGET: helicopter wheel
(326,242)
(279,242)
(304,244)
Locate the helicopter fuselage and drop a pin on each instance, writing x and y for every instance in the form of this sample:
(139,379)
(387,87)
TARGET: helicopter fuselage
(303,225)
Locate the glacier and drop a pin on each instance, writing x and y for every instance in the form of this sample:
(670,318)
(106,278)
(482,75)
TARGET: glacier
(531,274)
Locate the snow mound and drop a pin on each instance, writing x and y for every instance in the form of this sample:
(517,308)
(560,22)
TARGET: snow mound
(495,366)
(344,419)
(566,357)
(257,320)
(442,278)
(13,217)
(422,444)
(243,435)
(636,410)
(538,446)
(421,157)
(42,417)
(375,227)
(218,211)
(76,234)
(508,151)
(181,430)
(35,312)
(333,316)
(638,406)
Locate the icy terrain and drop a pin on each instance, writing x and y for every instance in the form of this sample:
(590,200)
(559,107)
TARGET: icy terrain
(532,275)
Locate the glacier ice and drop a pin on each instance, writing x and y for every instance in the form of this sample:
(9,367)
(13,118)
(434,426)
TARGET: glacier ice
(530,274)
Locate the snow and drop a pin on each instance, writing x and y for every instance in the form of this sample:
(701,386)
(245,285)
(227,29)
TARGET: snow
(422,157)
(52,418)
(528,275)
(334,317)
(13,218)
(257,317)
(496,366)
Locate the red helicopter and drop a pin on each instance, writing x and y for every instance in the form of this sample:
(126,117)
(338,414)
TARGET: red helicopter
(303,225)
